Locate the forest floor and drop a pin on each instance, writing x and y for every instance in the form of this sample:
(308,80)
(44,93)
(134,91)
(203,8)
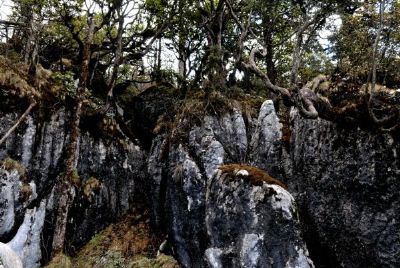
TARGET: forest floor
(128,243)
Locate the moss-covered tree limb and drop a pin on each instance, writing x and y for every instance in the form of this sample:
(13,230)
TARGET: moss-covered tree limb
(66,188)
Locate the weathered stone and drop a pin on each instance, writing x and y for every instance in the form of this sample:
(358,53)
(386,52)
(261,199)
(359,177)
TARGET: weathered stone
(117,164)
(266,145)
(345,182)
(8,197)
(348,188)
(185,196)
(252,226)
(27,241)
(8,258)
(179,188)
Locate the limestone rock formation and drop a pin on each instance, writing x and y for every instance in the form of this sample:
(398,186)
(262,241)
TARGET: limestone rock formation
(347,185)
(25,244)
(252,225)
(8,258)
(108,172)
(343,190)
(181,171)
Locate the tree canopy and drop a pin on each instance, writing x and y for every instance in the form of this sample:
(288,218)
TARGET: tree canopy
(272,48)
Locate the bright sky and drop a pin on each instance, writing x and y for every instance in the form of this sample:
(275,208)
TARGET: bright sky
(5,9)
(334,20)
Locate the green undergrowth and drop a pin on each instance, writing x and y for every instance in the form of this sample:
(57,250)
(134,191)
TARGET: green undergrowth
(128,243)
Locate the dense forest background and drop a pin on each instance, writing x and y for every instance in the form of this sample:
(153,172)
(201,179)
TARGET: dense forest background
(273,47)
(336,60)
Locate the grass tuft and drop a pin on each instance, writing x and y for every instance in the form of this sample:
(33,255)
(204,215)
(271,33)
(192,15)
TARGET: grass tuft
(255,175)
(10,164)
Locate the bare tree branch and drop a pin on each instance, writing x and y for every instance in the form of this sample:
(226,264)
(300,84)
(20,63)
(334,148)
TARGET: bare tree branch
(391,117)
(20,120)
(253,66)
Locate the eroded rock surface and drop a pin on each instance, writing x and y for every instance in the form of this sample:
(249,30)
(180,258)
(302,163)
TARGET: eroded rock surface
(181,171)
(347,185)
(8,257)
(252,226)
(26,242)
(109,171)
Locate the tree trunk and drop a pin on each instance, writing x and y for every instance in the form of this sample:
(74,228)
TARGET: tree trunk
(182,64)
(118,58)
(67,188)
(29,36)
(297,53)
(269,58)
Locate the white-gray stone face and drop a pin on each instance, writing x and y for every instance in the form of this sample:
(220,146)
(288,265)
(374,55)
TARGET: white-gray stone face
(8,258)
(8,197)
(237,222)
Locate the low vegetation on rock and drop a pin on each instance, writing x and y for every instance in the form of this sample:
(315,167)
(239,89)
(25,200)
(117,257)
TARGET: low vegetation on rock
(254,175)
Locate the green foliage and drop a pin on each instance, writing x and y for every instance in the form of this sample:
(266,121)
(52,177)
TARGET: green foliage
(353,46)
(66,80)
(130,92)
(352,42)
(315,62)
(154,5)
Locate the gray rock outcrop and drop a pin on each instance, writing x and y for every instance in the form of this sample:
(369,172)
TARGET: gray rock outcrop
(180,173)
(9,193)
(26,242)
(345,181)
(252,226)
(8,257)
(109,173)
(347,184)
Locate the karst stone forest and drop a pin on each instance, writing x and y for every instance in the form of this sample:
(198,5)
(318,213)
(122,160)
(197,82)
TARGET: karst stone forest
(199,133)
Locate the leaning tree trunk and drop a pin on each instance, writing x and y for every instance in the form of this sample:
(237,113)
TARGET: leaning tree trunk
(66,187)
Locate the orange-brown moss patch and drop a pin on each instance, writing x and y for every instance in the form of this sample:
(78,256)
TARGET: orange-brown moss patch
(255,176)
